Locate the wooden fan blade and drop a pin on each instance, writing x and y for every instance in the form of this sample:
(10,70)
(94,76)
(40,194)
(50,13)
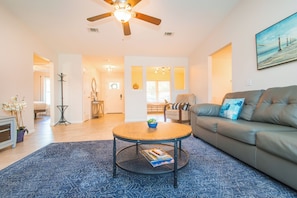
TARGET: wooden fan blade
(147,18)
(126,28)
(100,16)
(109,1)
(133,2)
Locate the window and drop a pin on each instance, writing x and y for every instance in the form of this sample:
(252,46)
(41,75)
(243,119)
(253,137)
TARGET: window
(114,85)
(158,91)
(47,90)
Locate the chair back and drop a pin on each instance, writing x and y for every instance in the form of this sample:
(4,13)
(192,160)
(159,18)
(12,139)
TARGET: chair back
(184,98)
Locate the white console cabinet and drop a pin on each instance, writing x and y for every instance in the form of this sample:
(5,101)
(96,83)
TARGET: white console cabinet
(7,132)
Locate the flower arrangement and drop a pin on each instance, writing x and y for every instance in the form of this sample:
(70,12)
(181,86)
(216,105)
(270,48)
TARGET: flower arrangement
(15,107)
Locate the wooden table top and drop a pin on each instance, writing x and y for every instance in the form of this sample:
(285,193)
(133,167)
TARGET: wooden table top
(140,131)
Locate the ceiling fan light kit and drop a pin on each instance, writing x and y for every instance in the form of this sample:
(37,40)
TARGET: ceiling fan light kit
(123,13)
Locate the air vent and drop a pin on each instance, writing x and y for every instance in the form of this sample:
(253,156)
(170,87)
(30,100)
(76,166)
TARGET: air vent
(168,34)
(93,30)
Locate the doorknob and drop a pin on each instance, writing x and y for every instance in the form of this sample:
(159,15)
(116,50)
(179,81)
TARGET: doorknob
(121,96)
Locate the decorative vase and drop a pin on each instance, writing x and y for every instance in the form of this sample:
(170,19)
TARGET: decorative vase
(135,86)
(20,135)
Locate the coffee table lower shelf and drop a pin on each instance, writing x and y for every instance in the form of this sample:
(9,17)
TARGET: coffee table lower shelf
(130,159)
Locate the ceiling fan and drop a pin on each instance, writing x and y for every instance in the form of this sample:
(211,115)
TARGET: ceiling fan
(123,12)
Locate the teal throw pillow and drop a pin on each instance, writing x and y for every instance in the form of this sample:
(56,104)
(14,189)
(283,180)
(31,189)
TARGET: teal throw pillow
(231,108)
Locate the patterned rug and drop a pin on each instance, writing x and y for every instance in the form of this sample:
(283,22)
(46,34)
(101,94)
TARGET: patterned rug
(84,169)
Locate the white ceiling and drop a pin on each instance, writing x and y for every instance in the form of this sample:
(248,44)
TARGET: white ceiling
(62,25)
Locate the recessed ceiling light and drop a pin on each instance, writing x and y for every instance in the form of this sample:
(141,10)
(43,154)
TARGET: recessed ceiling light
(168,34)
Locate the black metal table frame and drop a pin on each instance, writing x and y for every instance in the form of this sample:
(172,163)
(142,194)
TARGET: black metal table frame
(174,141)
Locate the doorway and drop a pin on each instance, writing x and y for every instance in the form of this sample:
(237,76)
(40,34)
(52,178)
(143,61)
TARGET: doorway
(42,86)
(113,92)
(221,74)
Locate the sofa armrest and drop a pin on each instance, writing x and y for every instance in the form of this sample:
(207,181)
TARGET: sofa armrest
(206,109)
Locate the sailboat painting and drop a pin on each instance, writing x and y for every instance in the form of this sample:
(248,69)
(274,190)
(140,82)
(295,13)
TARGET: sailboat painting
(277,44)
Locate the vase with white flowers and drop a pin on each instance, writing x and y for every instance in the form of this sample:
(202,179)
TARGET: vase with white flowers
(15,107)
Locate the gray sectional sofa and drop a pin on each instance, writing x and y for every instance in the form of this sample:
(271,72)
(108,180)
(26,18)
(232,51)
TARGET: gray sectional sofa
(264,135)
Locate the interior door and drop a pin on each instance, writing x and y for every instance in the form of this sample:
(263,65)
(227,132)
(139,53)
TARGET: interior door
(114,93)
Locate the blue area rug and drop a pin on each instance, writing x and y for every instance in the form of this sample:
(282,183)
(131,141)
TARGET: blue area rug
(84,169)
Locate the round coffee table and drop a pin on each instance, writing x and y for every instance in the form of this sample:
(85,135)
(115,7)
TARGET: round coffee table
(166,134)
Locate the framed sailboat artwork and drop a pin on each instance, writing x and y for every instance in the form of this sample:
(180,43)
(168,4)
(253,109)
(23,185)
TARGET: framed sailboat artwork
(277,44)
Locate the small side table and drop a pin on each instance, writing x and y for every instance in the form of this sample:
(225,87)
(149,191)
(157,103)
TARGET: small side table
(128,158)
(97,108)
(7,132)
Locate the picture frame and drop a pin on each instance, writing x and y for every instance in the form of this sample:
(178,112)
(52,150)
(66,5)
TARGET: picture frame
(277,44)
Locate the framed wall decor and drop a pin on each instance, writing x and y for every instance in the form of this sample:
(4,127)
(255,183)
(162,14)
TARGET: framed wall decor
(277,44)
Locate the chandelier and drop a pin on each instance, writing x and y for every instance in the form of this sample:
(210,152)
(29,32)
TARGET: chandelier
(163,70)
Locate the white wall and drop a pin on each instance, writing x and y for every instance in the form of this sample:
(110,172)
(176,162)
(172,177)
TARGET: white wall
(89,72)
(135,100)
(71,66)
(239,29)
(18,44)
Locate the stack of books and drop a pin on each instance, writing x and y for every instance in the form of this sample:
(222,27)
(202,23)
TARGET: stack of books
(157,157)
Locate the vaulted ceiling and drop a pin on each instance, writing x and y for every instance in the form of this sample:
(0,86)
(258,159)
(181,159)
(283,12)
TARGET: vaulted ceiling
(62,25)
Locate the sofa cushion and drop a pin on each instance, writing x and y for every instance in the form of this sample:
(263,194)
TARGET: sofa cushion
(207,122)
(206,109)
(251,99)
(278,106)
(282,144)
(245,131)
(231,108)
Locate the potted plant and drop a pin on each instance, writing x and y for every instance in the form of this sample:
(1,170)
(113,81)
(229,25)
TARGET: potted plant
(152,123)
(15,107)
